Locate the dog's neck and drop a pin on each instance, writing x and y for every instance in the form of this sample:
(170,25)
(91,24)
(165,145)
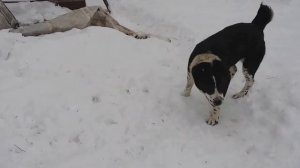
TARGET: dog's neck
(206,57)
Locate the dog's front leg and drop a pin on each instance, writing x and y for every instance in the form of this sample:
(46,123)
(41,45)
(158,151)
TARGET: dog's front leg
(214,116)
(189,85)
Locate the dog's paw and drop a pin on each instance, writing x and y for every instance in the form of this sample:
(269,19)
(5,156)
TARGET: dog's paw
(141,36)
(213,120)
(236,96)
(186,93)
(239,95)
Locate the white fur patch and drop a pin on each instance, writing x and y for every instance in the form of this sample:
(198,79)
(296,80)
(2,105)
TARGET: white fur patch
(207,57)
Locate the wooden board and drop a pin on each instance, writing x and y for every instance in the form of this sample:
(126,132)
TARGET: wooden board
(7,19)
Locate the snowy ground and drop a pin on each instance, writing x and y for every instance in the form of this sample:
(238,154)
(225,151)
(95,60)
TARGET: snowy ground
(97,98)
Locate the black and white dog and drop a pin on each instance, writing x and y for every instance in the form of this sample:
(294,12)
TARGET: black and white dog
(212,63)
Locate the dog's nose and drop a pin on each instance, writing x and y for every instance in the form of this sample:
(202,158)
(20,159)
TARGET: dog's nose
(217,102)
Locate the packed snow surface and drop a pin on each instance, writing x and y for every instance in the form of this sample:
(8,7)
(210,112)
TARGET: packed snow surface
(96,98)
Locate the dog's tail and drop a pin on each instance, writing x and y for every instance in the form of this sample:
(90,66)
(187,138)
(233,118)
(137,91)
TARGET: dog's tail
(263,16)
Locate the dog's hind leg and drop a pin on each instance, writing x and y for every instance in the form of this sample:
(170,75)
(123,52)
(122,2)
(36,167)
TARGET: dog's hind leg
(249,83)
(250,67)
(131,32)
(112,23)
(189,85)
(104,19)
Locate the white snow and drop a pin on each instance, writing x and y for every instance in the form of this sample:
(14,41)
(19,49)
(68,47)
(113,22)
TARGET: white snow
(27,12)
(97,98)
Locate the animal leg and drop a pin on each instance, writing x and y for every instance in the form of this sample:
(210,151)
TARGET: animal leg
(250,66)
(104,19)
(249,83)
(189,85)
(214,116)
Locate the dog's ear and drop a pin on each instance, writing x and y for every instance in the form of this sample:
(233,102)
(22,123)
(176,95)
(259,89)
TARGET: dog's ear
(222,76)
(203,77)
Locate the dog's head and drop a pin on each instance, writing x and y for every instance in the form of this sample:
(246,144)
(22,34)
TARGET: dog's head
(212,78)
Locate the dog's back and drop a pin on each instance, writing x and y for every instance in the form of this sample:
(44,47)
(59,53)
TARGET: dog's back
(237,41)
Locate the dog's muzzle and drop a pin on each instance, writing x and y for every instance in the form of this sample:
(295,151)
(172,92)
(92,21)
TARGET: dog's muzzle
(217,101)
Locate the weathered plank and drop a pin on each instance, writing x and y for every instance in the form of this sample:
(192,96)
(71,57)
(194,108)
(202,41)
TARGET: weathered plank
(7,19)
